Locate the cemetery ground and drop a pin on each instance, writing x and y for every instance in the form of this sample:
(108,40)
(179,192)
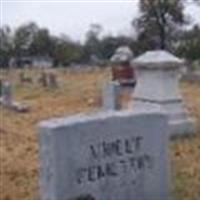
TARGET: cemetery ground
(78,91)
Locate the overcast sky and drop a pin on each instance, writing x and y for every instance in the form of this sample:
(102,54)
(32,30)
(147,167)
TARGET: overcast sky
(74,17)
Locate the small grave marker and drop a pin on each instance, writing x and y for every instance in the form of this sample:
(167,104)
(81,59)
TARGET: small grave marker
(7,99)
(43,79)
(52,80)
(1,87)
(6,96)
(24,78)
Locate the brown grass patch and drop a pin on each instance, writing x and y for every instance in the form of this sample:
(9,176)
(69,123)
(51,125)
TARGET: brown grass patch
(78,92)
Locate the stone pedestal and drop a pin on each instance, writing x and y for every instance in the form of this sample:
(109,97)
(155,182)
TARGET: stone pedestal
(158,85)
(110,94)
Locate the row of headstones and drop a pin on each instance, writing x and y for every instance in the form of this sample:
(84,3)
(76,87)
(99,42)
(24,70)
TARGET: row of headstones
(45,79)
(117,155)
(193,77)
(6,90)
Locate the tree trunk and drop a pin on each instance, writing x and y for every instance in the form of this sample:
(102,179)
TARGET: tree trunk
(162,38)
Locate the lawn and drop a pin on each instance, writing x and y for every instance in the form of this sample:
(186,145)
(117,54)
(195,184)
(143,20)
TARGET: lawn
(78,91)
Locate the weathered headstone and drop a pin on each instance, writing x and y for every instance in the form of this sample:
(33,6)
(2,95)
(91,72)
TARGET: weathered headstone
(7,99)
(6,96)
(106,156)
(1,86)
(192,77)
(110,96)
(43,79)
(25,79)
(52,82)
(158,85)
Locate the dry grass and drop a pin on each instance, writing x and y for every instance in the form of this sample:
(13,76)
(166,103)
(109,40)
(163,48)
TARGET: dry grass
(78,92)
(185,153)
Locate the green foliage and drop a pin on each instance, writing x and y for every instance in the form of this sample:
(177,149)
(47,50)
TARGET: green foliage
(109,44)
(66,51)
(23,39)
(41,44)
(190,44)
(29,40)
(159,23)
(158,26)
(102,48)
(92,43)
(5,46)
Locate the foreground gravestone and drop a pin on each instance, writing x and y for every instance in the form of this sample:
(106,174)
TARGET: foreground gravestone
(158,85)
(106,156)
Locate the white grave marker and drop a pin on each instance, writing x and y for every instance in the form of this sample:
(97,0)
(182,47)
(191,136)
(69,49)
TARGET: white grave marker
(158,85)
(110,96)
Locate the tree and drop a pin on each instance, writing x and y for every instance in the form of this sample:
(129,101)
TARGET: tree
(190,44)
(66,51)
(92,44)
(109,44)
(5,46)
(42,43)
(23,38)
(159,23)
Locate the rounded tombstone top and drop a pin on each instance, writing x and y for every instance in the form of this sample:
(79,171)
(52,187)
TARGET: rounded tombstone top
(157,59)
(122,54)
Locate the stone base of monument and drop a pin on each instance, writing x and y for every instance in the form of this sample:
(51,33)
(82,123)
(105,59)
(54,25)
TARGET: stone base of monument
(182,127)
(179,118)
(110,94)
(180,123)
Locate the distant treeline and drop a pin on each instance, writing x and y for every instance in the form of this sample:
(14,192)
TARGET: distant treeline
(161,25)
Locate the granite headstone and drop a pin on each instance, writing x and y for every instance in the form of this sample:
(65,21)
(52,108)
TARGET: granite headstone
(106,156)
